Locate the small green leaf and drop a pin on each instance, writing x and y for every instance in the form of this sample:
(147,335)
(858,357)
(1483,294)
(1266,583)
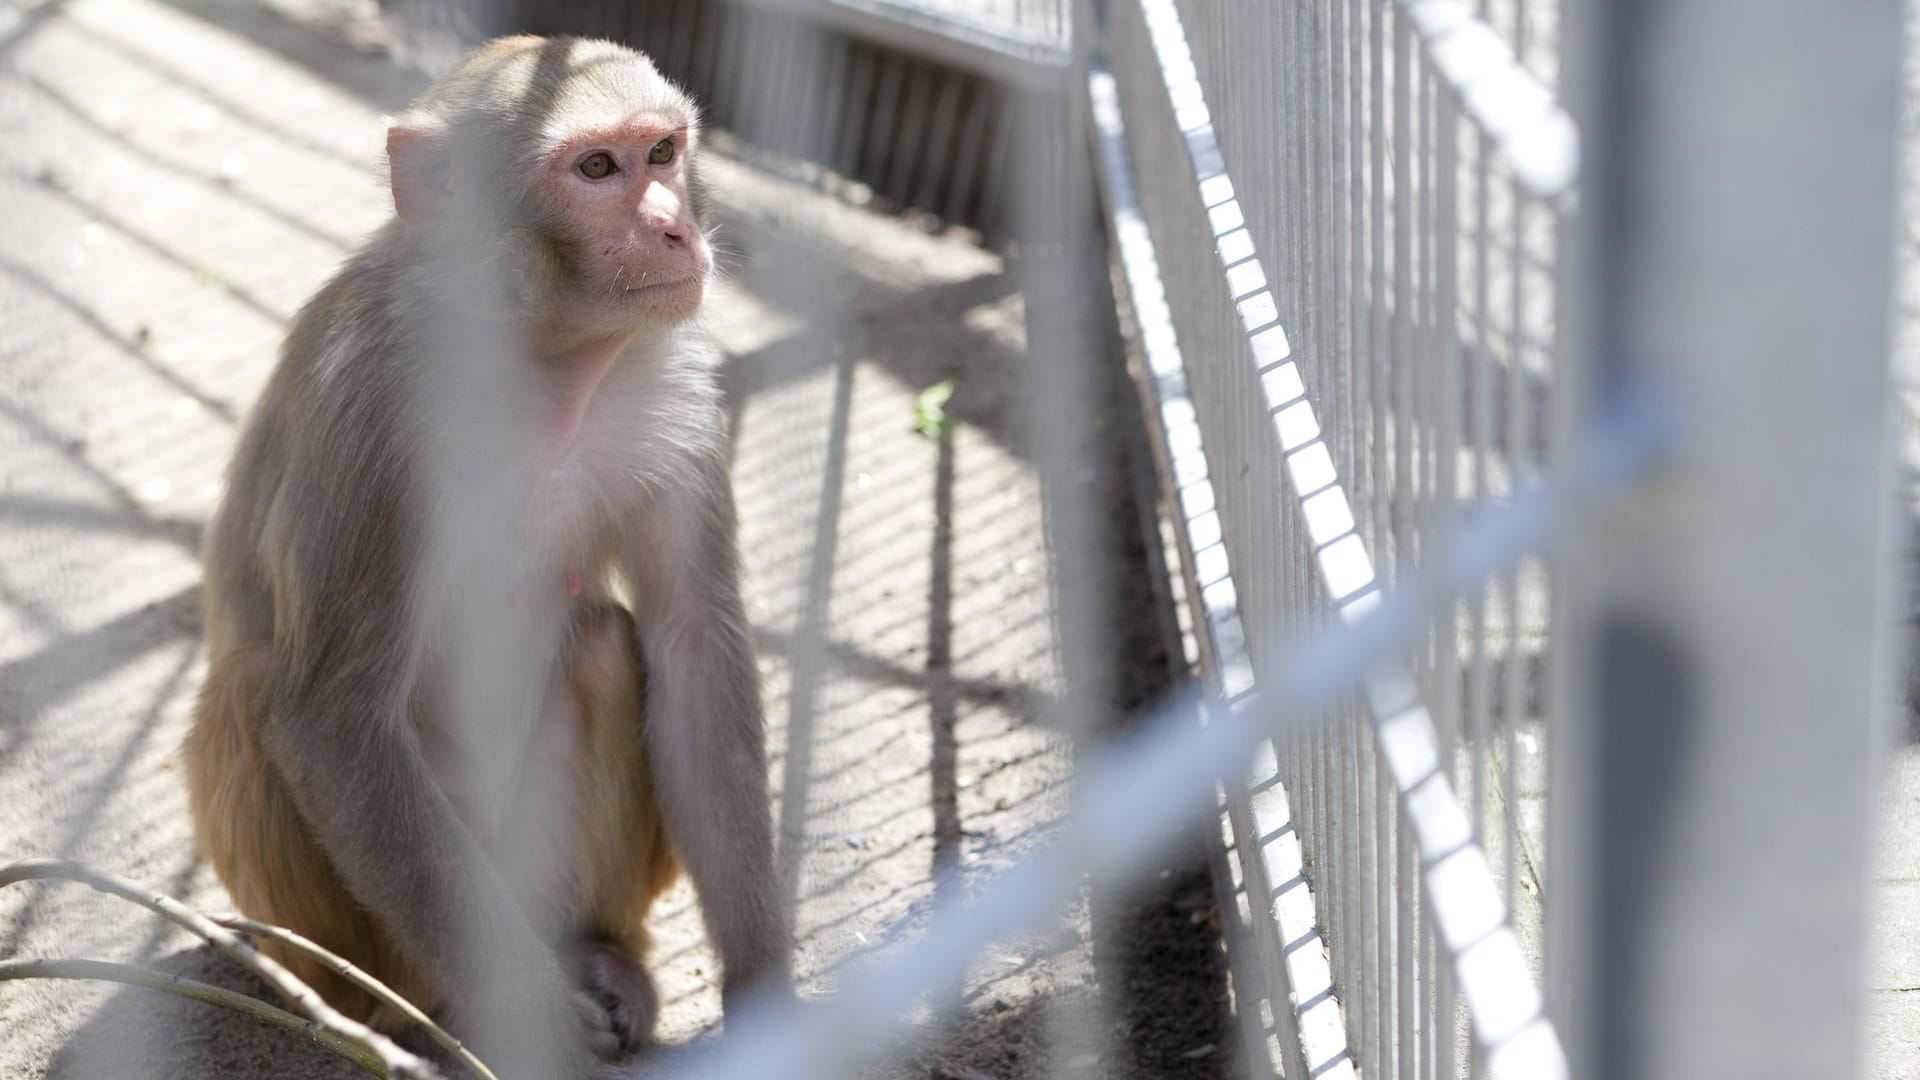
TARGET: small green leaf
(930,410)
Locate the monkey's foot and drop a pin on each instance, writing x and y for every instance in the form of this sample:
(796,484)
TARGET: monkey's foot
(617,1001)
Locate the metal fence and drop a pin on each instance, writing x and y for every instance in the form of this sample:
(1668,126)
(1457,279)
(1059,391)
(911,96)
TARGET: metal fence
(1345,228)
(1402,177)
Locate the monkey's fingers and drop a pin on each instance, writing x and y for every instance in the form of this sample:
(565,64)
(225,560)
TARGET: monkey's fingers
(597,1023)
(612,976)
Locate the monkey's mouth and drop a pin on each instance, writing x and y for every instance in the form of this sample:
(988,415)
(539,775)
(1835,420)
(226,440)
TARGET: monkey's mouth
(655,287)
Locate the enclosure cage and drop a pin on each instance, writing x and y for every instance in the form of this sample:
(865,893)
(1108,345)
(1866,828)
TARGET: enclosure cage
(1488,430)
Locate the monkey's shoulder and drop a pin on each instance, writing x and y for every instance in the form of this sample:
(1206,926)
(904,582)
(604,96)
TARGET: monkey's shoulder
(344,347)
(325,446)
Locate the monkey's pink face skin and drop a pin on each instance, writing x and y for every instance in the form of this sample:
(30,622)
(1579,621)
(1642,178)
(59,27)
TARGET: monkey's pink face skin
(623,191)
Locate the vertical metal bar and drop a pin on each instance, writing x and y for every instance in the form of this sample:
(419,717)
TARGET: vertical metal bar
(1358,347)
(1296,154)
(1260,896)
(780,117)
(1445,329)
(1320,290)
(770,37)
(1560,903)
(1379,351)
(1414,986)
(1312,326)
(1379,346)
(736,31)
(1339,362)
(1479,704)
(1405,948)
(859,96)
(1421,421)
(939,140)
(1270,32)
(1385,820)
(1365,965)
(824,143)
(1357,941)
(1513,684)
(966,172)
(709,42)
(1347,949)
(995,178)
(1331,301)
(883,126)
(1734,620)
(906,140)
(1520,28)
(1419,348)
(1419,415)
(1432,962)
(1443,359)
(812,81)
(1330,106)
(1285,22)
(683,17)
(1276,31)
(1398,563)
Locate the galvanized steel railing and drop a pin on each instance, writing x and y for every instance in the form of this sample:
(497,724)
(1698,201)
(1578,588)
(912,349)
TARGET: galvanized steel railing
(1400,175)
(1344,228)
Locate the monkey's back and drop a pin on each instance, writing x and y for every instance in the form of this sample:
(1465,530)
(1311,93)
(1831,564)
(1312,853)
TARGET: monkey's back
(313,517)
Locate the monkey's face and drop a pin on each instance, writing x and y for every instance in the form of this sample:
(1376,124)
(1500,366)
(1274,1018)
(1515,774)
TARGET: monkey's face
(553,181)
(620,196)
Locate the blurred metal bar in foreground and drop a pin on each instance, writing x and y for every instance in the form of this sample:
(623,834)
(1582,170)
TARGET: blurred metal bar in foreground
(1734,620)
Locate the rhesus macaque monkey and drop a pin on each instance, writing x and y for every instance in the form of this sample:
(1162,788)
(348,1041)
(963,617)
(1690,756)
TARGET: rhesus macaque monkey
(431,738)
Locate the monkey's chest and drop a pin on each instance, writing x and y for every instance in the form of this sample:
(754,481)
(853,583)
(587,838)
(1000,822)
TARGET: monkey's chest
(608,476)
(600,480)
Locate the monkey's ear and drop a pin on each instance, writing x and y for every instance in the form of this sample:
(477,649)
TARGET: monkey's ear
(417,161)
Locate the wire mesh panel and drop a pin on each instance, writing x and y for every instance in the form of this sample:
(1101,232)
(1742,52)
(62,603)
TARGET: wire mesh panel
(1362,263)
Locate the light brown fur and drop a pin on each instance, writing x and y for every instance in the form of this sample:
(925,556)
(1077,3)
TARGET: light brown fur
(248,827)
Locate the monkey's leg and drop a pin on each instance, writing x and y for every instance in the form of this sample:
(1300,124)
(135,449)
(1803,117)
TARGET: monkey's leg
(617,847)
(247,827)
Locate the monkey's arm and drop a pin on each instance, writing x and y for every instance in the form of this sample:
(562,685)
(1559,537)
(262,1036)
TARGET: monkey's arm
(706,737)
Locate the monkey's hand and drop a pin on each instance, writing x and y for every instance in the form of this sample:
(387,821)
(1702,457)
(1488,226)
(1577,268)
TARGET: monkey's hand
(617,1001)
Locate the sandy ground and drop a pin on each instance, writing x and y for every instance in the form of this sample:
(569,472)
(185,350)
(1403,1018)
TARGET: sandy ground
(176,176)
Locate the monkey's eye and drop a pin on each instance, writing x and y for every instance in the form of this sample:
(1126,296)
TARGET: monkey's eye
(597,166)
(661,153)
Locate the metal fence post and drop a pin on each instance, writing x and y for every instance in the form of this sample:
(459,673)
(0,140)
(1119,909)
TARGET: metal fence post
(1735,617)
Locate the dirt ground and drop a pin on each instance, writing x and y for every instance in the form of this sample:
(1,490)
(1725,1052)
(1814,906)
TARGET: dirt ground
(176,176)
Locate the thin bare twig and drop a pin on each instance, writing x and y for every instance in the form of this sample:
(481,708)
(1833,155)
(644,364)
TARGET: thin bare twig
(341,966)
(131,975)
(394,1061)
